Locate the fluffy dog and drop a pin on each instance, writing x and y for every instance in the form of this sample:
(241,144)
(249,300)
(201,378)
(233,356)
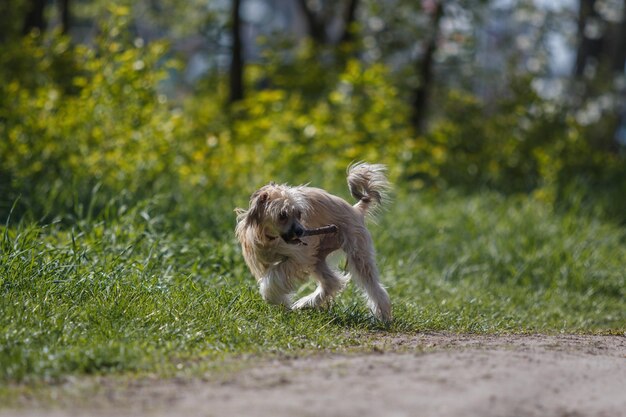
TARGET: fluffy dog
(276,248)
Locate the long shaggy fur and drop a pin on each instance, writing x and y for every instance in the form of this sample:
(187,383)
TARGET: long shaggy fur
(269,229)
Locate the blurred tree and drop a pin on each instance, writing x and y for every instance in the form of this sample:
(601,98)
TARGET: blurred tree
(34,19)
(601,39)
(237,63)
(315,23)
(599,67)
(325,15)
(64,13)
(425,69)
(31,15)
(349,20)
(11,19)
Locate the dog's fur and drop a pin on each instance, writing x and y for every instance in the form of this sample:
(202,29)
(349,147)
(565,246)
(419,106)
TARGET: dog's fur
(270,230)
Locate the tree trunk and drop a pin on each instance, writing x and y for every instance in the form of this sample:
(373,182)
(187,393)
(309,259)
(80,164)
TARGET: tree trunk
(64,12)
(236,65)
(35,17)
(599,58)
(588,49)
(317,31)
(424,69)
(350,18)
(607,50)
(619,56)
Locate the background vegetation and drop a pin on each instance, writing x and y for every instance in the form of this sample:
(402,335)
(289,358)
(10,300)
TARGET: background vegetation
(118,178)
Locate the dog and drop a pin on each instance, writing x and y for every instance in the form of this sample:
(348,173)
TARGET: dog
(281,256)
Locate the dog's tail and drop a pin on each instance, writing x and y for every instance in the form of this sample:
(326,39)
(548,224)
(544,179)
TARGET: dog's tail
(369,185)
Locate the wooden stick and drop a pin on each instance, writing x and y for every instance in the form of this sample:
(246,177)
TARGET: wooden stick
(320,230)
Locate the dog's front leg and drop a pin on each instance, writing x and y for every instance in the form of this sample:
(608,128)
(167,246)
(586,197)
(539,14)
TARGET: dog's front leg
(330,282)
(276,288)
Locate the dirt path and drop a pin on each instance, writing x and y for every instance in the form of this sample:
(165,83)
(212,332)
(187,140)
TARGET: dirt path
(421,375)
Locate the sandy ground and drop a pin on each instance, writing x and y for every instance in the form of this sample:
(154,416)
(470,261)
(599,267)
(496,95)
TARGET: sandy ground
(420,375)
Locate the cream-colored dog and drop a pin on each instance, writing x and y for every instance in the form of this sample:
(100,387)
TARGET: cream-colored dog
(281,254)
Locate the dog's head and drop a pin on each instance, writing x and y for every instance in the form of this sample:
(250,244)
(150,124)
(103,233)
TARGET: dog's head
(277,212)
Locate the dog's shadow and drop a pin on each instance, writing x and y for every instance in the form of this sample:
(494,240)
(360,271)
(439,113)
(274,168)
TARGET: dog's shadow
(356,317)
(349,315)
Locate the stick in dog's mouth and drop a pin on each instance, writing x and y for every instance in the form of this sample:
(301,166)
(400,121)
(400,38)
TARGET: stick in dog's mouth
(323,230)
(331,228)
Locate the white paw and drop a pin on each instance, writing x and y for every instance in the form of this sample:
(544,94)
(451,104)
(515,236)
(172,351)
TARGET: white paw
(310,301)
(316,299)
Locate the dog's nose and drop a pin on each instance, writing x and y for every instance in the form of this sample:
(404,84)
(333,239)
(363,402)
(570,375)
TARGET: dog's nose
(298,230)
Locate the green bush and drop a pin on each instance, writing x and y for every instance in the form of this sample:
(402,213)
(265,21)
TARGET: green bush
(99,122)
(84,124)
(525,144)
(282,135)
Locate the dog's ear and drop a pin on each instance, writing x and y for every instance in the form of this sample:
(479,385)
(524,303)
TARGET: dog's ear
(257,205)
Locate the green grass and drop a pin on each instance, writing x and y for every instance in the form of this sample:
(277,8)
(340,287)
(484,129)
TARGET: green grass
(152,290)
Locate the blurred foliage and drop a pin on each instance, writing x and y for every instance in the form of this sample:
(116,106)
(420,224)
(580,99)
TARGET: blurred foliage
(11,18)
(524,144)
(78,121)
(73,117)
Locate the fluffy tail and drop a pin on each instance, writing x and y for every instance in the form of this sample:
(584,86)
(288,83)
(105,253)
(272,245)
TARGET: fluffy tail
(369,185)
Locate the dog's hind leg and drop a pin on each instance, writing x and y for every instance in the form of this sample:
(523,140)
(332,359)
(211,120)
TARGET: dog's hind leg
(329,284)
(365,274)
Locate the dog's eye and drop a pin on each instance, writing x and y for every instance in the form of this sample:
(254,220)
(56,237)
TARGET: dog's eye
(282,215)
(299,215)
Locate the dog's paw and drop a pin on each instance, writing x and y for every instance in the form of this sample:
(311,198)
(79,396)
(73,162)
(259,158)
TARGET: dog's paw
(381,309)
(313,300)
(305,302)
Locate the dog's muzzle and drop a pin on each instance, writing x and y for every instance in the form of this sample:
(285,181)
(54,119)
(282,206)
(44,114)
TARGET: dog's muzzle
(294,234)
